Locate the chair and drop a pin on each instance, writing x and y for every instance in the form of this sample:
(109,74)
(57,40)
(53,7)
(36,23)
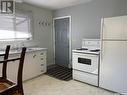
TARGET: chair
(8,87)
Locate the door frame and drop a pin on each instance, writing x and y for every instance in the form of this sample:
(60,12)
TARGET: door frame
(70,39)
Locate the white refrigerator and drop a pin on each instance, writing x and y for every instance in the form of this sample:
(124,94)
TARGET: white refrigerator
(113,63)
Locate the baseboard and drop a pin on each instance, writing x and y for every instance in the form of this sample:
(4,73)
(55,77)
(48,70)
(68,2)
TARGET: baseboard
(48,64)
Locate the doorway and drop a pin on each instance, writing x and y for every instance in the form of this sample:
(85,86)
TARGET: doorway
(62,41)
(62,49)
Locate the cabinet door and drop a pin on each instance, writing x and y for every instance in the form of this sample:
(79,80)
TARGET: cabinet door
(31,66)
(12,68)
(1,58)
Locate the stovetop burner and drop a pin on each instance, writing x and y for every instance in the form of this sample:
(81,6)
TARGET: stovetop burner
(89,46)
(82,49)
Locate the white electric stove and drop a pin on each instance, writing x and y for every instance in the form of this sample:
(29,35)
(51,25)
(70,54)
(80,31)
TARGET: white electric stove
(86,61)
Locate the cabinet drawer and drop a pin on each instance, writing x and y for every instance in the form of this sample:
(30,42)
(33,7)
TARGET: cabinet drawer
(43,60)
(43,67)
(43,53)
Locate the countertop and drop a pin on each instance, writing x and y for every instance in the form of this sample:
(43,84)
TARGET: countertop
(17,51)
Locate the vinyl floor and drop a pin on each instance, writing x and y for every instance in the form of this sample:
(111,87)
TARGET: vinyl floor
(46,85)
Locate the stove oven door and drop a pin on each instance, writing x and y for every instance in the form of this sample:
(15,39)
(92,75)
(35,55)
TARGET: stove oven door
(85,62)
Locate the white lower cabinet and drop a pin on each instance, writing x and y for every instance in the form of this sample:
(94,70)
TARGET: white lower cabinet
(12,67)
(34,65)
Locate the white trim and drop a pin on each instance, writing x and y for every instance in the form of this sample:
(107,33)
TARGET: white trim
(28,19)
(61,17)
(70,38)
(53,38)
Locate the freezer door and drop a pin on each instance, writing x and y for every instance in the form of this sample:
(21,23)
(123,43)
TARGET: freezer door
(113,66)
(115,28)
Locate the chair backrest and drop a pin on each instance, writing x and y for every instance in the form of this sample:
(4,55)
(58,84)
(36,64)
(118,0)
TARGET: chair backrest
(4,74)
(20,68)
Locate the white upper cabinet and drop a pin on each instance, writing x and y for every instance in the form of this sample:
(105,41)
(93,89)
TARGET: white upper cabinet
(114,28)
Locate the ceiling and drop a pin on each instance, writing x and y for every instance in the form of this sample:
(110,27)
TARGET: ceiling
(55,4)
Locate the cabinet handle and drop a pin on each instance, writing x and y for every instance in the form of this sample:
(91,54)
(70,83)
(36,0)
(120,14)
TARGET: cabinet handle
(34,55)
(42,64)
(42,70)
(41,58)
(42,53)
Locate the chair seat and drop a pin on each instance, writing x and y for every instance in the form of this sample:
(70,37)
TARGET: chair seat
(4,86)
